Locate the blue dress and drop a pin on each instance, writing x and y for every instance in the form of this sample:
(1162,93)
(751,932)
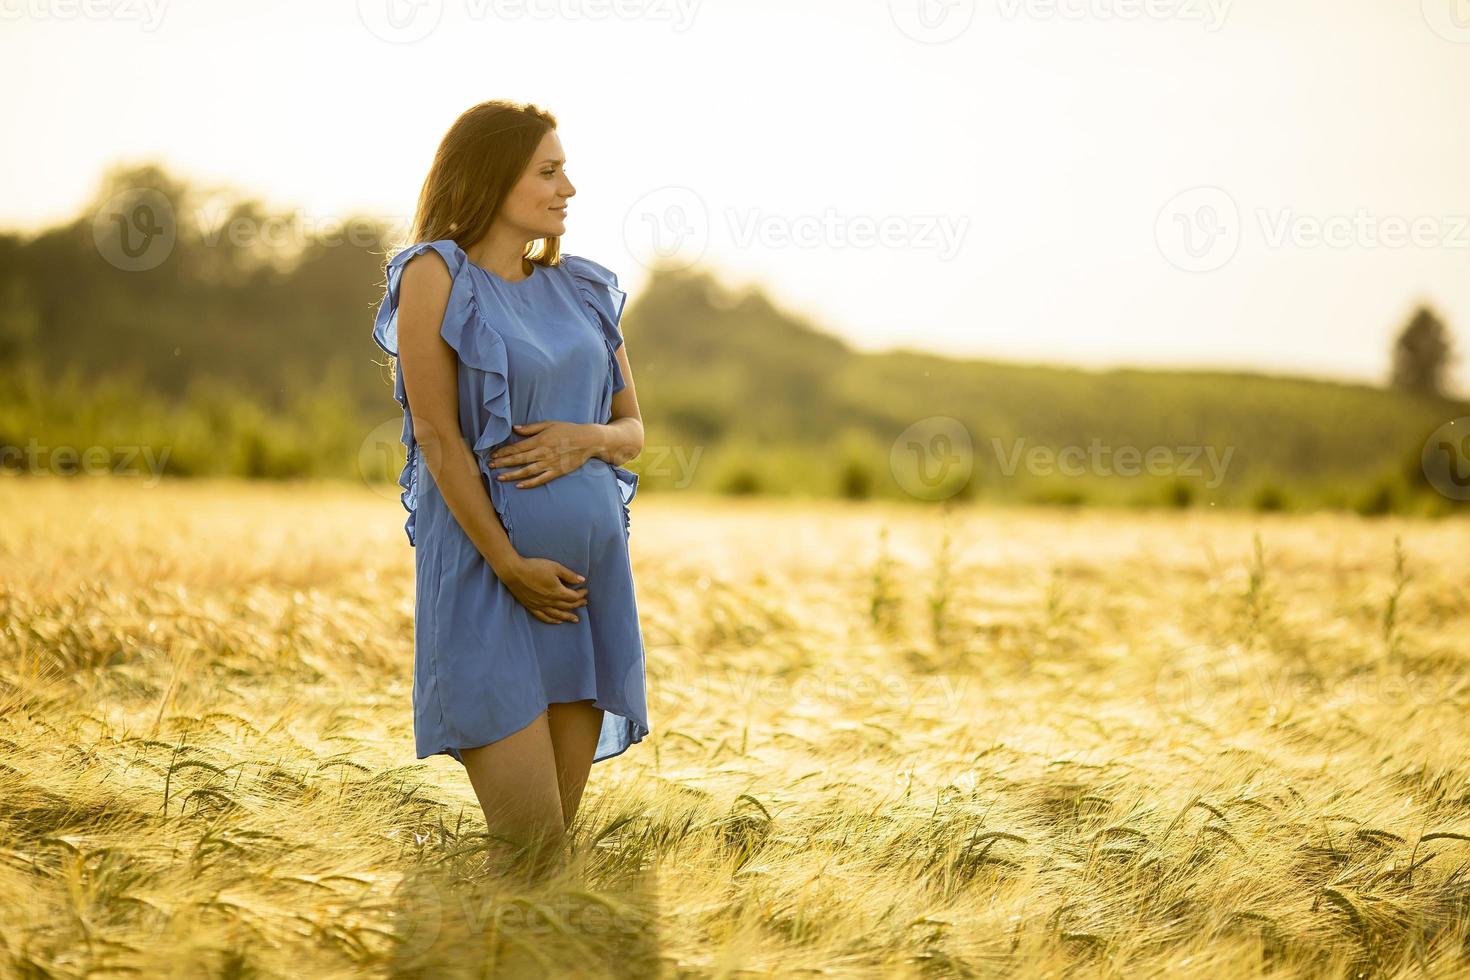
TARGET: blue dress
(484,667)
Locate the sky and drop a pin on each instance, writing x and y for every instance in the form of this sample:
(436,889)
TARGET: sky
(1267,185)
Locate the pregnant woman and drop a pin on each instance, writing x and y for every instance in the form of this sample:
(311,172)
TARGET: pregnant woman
(518,408)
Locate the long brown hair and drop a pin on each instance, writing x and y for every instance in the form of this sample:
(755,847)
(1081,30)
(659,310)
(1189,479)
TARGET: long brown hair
(478,162)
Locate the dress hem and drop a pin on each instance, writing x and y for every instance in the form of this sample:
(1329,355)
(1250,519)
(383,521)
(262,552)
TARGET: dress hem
(640,731)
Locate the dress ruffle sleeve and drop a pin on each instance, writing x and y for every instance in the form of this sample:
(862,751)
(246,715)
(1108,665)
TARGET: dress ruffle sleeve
(484,381)
(599,288)
(605,300)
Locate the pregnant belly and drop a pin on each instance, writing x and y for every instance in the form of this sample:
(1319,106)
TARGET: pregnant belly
(574,518)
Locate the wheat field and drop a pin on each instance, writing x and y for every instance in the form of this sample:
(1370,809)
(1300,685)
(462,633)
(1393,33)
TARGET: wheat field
(887,741)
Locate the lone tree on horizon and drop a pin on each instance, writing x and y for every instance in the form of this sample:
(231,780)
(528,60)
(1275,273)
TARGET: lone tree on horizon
(1422,354)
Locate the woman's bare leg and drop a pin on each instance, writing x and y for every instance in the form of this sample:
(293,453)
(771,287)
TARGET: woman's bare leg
(575,726)
(515,780)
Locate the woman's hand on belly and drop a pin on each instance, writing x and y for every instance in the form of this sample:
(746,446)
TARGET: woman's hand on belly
(552,449)
(543,586)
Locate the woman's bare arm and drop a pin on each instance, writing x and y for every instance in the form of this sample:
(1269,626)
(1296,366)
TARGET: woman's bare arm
(621,438)
(431,380)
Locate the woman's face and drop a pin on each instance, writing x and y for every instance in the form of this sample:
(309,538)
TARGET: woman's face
(537,204)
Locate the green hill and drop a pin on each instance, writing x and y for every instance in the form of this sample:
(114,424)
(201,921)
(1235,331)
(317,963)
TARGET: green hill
(727,371)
